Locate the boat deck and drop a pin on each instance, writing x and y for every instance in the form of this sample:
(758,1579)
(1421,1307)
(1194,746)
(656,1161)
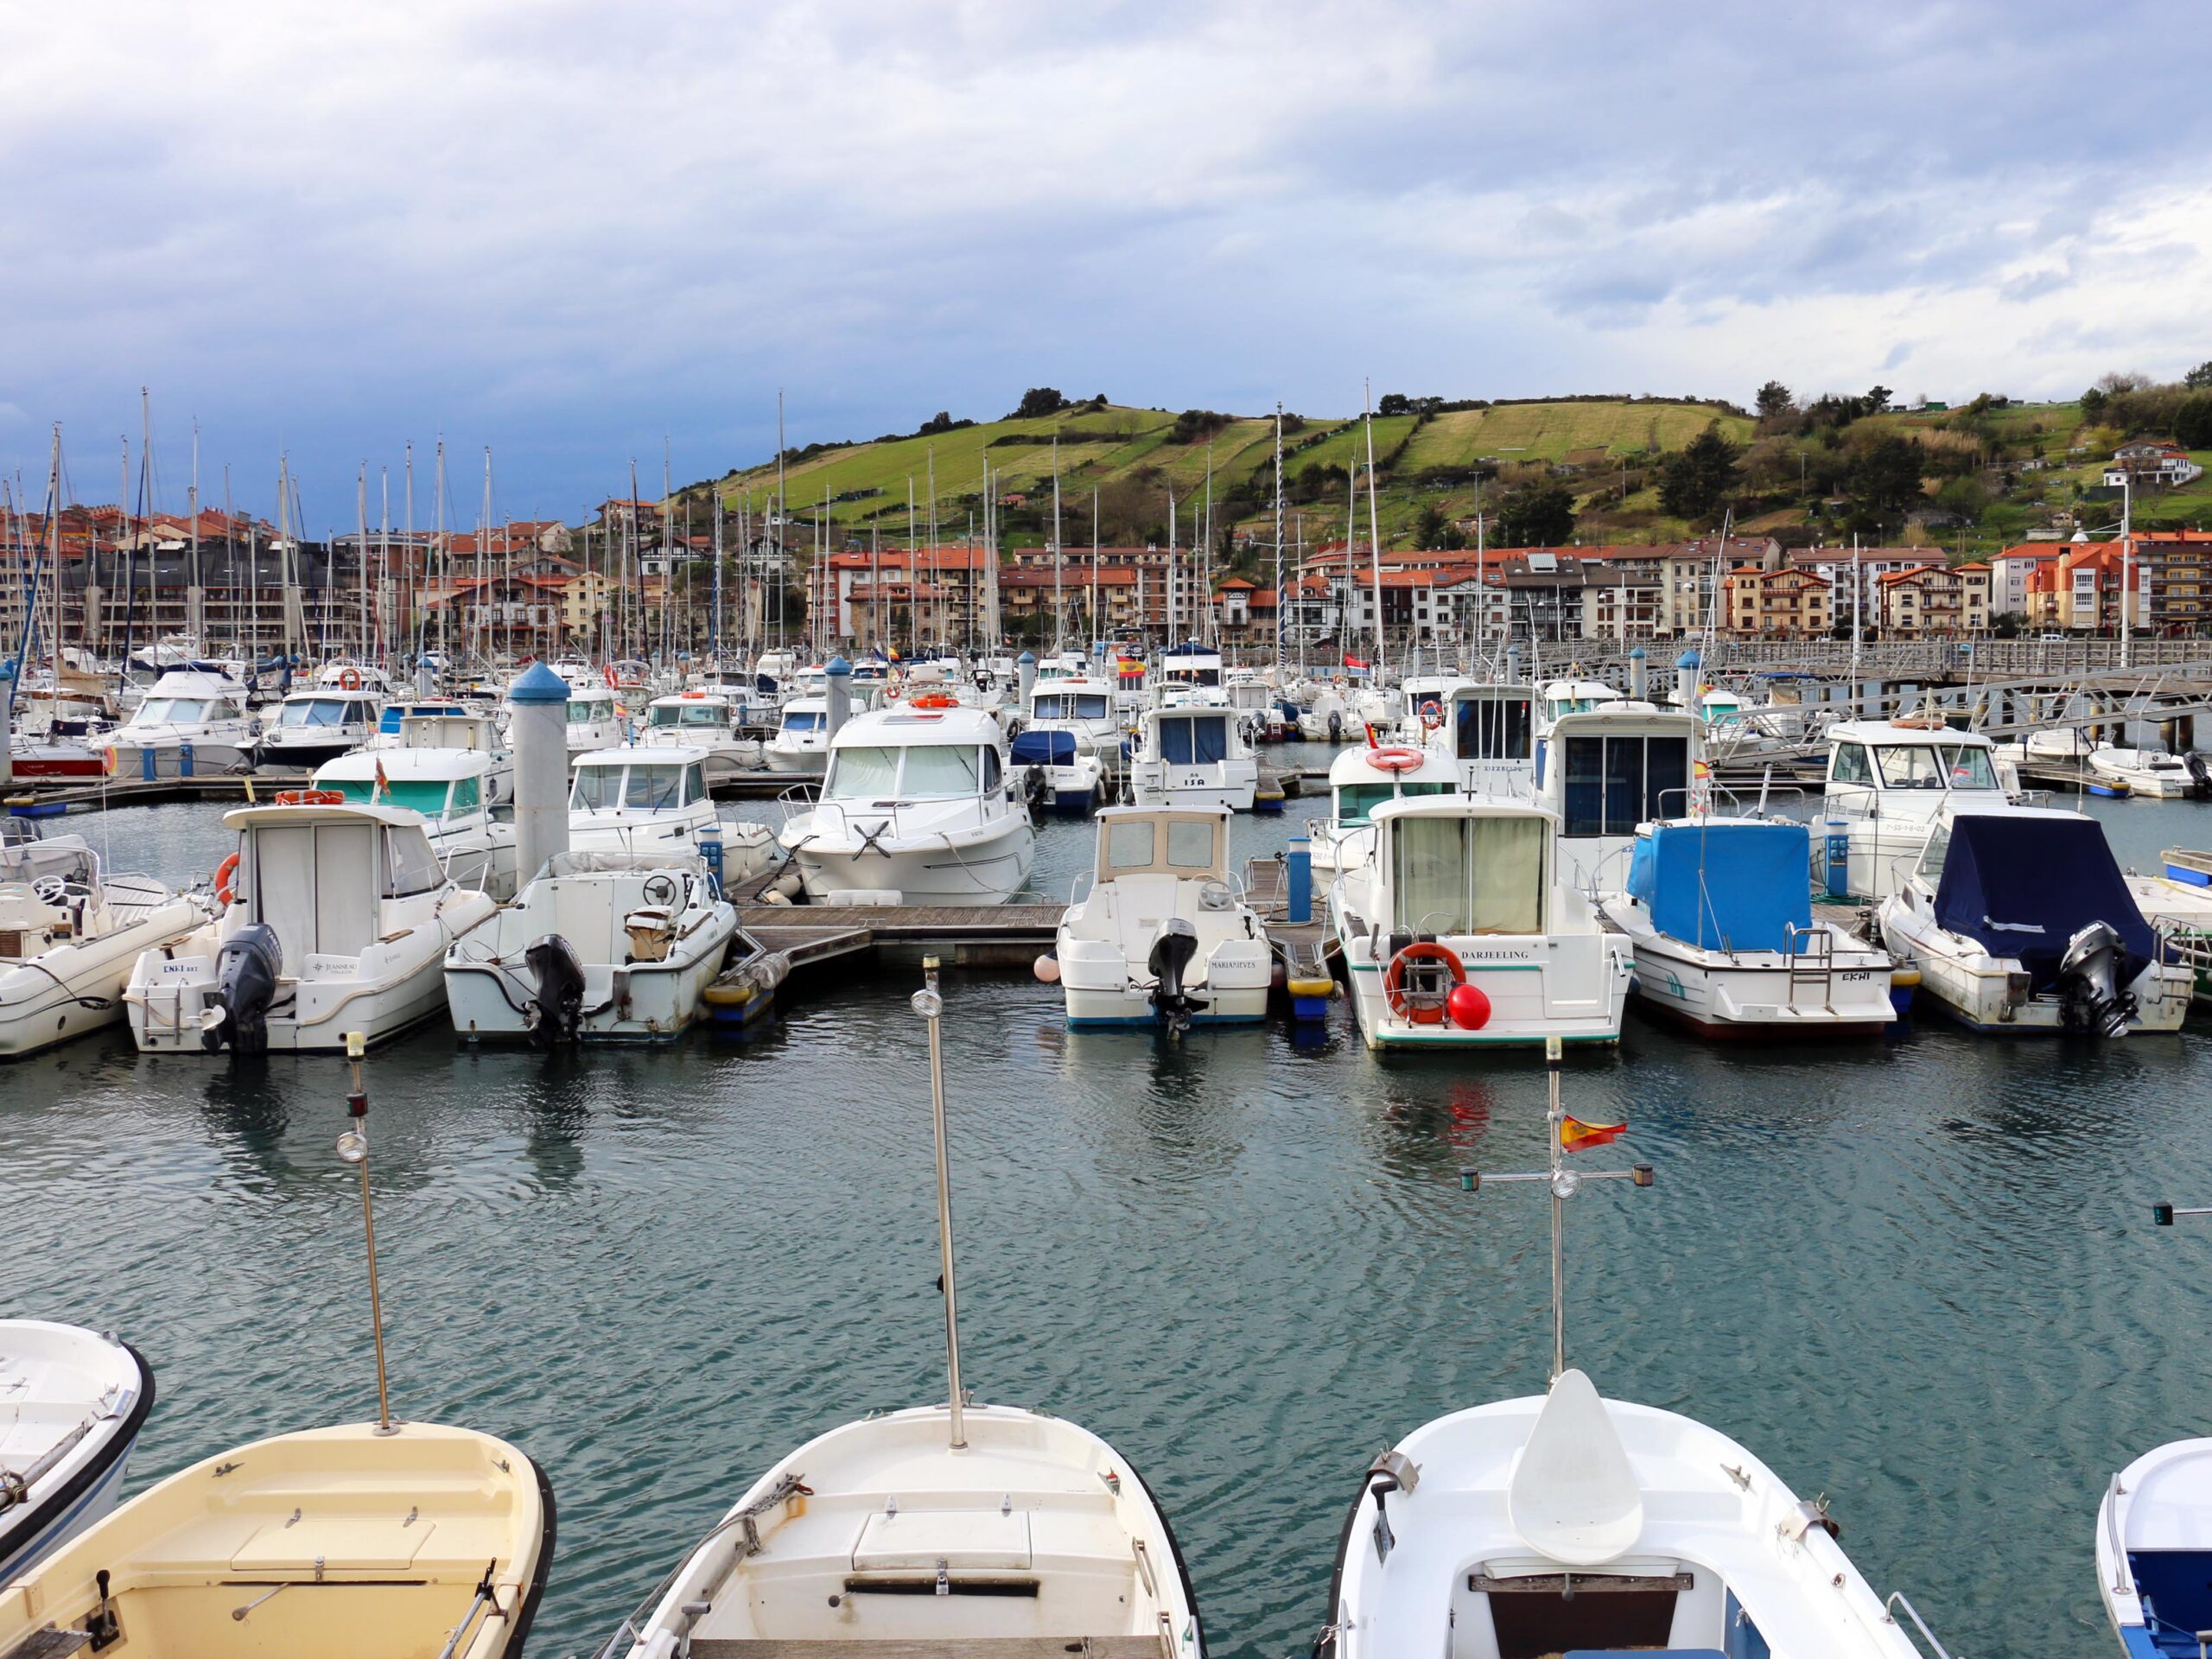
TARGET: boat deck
(994,1647)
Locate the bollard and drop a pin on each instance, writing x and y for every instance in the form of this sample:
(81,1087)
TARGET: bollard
(1686,667)
(1025,681)
(1513,664)
(539,736)
(1300,878)
(837,696)
(1838,860)
(1638,676)
(426,680)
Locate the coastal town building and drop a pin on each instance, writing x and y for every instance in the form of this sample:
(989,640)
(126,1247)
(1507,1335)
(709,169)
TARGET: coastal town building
(1934,600)
(1787,603)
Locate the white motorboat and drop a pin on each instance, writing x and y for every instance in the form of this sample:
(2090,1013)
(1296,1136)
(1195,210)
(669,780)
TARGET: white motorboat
(1719,912)
(72,1402)
(599,947)
(319,724)
(1458,929)
(336,919)
(1191,672)
(1567,1522)
(708,721)
(655,801)
(2154,1550)
(1606,770)
(1418,705)
(1074,737)
(799,746)
(1361,779)
(595,718)
(1572,697)
(1488,734)
(1327,718)
(2155,773)
(917,808)
(69,935)
(1163,936)
(946,1531)
(452,789)
(1193,755)
(193,721)
(453,727)
(1890,782)
(367,1541)
(2020,921)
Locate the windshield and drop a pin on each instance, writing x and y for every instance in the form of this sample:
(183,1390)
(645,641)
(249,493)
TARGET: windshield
(859,774)
(171,711)
(688,714)
(427,796)
(583,712)
(804,719)
(1071,705)
(938,772)
(1355,801)
(597,788)
(651,789)
(323,711)
(1930,765)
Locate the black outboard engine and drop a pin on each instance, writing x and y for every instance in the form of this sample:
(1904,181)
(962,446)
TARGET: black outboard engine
(556,1012)
(2088,974)
(2200,777)
(1171,954)
(1336,727)
(1036,786)
(246,972)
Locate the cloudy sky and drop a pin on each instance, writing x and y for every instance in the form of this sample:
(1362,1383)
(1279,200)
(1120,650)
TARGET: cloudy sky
(572,230)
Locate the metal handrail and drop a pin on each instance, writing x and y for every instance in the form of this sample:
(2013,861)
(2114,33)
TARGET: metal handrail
(2121,1586)
(1897,1598)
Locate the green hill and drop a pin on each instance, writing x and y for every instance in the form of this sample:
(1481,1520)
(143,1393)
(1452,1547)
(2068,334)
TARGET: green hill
(1135,458)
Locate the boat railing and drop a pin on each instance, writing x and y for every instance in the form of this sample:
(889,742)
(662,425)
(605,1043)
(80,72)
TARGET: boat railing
(1898,1599)
(2114,1493)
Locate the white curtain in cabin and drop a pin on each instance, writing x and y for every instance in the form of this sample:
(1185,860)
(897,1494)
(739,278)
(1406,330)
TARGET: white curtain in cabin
(1429,871)
(1508,870)
(346,884)
(283,888)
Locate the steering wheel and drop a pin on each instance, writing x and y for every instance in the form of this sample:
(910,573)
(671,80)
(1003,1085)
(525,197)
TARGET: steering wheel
(50,890)
(661,890)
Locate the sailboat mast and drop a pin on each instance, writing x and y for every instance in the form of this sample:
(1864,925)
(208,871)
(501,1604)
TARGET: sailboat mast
(361,531)
(195,599)
(1059,604)
(444,553)
(1282,597)
(1373,522)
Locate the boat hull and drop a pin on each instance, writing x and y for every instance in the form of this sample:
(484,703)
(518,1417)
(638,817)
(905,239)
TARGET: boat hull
(1230,785)
(968,871)
(81,1481)
(637,1003)
(1959,979)
(1752,994)
(143,763)
(78,989)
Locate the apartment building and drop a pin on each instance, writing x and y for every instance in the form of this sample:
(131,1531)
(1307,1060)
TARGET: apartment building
(1787,603)
(1935,602)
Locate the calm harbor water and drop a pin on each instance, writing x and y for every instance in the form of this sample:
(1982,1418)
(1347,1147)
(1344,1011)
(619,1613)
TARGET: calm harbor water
(1917,1275)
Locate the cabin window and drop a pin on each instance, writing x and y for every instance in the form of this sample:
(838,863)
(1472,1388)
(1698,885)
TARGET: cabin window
(1190,845)
(1911,765)
(861,774)
(694,783)
(1969,766)
(1852,766)
(321,711)
(1084,705)
(1613,784)
(804,719)
(1201,741)
(1469,875)
(410,865)
(1933,854)
(598,789)
(1355,801)
(1128,845)
(466,795)
(584,712)
(990,769)
(1493,728)
(939,772)
(416,795)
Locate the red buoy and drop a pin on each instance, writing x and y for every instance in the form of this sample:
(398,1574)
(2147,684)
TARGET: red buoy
(1468,1007)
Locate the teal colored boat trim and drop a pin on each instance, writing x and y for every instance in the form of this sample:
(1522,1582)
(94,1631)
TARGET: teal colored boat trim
(1392,1039)
(1479,968)
(1129,1022)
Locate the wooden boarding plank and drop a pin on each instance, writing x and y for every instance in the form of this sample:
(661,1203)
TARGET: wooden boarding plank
(1001,1647)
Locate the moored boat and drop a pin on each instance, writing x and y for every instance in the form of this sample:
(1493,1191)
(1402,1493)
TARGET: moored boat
(71,1403)
(1192,754)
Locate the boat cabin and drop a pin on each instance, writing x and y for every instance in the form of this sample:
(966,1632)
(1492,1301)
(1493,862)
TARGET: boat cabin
(388,722)
(1191,736)
(1072,700)
(187,698)
(1190,667)
(1575,697)
(450,727)
(637,780)
(906,754)
(1174,843)
(1363,778)
(319,875)
(442,793)
(1489,731)
(1918,766)
(703,712)
(1725,884)
(327,713)
(1607,771)
(1457,867)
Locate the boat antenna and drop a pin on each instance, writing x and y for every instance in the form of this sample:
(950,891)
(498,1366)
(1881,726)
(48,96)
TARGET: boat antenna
(929,1002)
(353,1148)
(1564,1183)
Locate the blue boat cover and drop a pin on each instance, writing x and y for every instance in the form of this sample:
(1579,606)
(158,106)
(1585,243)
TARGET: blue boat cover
(1723,887)
(1044,748)
(2022,886)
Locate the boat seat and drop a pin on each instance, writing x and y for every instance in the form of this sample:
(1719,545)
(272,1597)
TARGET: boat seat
(988,1647)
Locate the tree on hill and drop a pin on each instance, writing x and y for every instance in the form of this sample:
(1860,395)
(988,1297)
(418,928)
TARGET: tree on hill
(1698,482)
(940,421)
(1193,425)
(2193,422)
(2199,379)
(1039,401)
(1774,400)
(1536,514)
(1434,531)
(1884,480)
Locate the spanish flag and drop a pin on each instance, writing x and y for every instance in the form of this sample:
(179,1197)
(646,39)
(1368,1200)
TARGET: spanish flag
(383,784)
(1574,1135)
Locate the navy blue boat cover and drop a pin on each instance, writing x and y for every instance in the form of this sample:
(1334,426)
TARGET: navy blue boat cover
(1047,748)
(1724,886)
(2022,886)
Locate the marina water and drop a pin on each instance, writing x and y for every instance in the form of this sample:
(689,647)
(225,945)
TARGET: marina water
(1916,1274)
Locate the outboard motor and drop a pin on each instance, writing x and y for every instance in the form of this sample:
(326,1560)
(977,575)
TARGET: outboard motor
(2088,974)
(558,1010)
(2200,777)
(1036,786)
(246,972)
(1171,954)
(1336,727)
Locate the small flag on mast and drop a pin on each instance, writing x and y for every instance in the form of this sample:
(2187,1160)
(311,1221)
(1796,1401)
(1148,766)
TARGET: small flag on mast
(383,786)
(1574,1135)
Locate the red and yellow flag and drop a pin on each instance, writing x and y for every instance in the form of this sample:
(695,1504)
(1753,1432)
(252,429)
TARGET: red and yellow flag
(1574,1135)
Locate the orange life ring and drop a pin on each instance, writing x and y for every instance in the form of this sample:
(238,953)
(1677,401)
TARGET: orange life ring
(1395,758)
(310,797)
(224,872)
(935,700)
(349,679)
(1393,982)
